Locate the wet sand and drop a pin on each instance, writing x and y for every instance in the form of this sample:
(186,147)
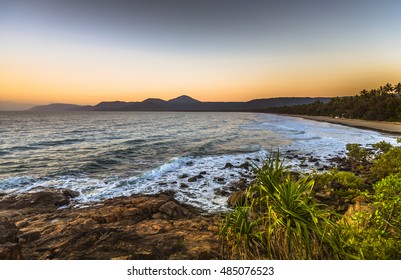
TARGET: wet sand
(389,127)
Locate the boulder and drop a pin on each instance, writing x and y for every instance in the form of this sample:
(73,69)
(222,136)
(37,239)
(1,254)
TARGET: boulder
(228,165)
(10,248)
(219,180)
(40,201)
(135,227)
(195,178)
(245,165)
(360,206)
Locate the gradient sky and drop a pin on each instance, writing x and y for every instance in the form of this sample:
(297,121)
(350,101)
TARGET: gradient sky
(85,51)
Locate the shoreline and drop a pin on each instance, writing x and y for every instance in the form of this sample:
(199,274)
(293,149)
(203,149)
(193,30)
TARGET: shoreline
(382,126)
(138,227)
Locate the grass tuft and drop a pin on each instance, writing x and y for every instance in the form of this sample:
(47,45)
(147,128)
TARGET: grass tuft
(281,220)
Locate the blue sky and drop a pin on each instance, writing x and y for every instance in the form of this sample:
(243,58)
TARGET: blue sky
(88,51)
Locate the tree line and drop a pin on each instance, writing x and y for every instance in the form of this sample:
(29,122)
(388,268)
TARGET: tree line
(381,104)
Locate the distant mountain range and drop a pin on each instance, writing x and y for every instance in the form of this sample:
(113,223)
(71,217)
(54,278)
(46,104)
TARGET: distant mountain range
(14,106)
(182,103)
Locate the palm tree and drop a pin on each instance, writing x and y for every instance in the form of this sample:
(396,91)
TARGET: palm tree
(373,92)
(397,88)
(388,88)
(381,90)
(364,93)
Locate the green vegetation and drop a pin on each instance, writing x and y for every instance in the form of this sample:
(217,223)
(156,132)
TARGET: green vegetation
(342,183)
(377,233)
(381,104)
(387,163)
(356,152)
(281,218)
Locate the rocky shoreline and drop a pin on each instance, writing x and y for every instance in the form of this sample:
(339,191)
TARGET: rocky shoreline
(38,226)
(46,224)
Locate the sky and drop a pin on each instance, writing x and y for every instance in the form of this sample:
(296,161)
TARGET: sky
(85,51)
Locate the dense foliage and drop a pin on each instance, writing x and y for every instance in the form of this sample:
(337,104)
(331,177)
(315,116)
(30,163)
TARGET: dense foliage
(281,218)
(382,104)
(377,233)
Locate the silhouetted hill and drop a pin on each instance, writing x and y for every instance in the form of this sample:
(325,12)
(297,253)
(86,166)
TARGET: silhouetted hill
(184,99)
(184,103)
(258,104)
(57,107)
(110,105)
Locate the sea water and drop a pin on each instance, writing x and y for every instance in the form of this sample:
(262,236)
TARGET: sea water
(107,154)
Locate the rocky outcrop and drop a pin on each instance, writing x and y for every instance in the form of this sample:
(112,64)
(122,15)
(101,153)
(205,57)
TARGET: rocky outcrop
(136,227)
(9,242)
(360,207)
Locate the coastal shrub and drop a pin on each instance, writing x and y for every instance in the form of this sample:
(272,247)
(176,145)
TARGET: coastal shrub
(356,152)
(281,220)
(345,184)
(387,164)
(382,146)
(377,234)
(342,178)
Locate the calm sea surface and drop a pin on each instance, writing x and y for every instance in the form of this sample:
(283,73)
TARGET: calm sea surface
(107,154)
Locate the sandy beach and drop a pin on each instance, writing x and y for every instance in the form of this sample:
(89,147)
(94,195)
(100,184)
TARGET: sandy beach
(389,127)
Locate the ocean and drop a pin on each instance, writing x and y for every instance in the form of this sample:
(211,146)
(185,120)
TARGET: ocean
(107,154)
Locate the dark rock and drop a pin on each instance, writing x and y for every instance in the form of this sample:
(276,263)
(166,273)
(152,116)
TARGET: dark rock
(313,159)
(245,165)
(183,176)
(228,165)
(241,184)
(30,236)
(219,180)
(10,248)
(169,193)
(9,251)
(174,211)
(183,186)
(136,227)
(8,231)
(202,173)
(162,184)
(70,193)
(195,178)
(222,192)
(41,201)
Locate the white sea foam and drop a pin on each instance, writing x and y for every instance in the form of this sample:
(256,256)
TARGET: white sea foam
(247,140)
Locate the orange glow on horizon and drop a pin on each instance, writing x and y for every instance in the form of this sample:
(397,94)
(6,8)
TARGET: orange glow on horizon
(67,74)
